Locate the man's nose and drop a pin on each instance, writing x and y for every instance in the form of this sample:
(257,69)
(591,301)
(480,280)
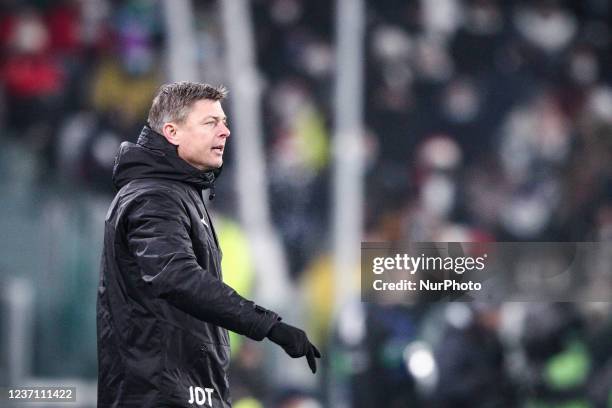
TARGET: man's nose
(224,130)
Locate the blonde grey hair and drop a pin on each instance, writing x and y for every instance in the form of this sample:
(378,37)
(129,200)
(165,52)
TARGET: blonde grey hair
(174,101)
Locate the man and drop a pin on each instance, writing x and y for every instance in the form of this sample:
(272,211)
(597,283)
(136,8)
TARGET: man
(163,310)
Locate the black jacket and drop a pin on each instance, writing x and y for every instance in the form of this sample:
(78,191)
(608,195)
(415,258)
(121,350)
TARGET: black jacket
(163,308)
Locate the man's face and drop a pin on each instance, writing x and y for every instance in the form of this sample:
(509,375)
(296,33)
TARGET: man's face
(201,137)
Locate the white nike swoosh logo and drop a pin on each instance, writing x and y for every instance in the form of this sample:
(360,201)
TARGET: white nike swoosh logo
(204,222)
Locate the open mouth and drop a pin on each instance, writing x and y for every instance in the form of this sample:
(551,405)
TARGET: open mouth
(218,148)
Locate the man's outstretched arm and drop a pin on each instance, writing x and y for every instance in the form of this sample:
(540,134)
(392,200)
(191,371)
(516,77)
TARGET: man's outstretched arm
(158,238)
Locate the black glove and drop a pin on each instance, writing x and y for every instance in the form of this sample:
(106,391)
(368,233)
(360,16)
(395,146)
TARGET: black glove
(295,343)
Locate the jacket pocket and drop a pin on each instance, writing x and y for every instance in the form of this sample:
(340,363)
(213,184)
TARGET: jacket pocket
(195,371)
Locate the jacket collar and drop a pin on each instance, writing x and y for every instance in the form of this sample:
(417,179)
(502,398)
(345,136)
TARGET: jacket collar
(154,157)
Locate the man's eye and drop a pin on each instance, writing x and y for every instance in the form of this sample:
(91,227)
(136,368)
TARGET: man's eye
(210,122)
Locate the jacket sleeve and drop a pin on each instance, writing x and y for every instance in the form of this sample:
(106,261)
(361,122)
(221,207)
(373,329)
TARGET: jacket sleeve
(158,237)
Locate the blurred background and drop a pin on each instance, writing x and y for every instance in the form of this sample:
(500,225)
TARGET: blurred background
(387,120)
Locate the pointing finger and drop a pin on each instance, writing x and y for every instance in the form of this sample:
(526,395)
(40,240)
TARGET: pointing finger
(311,361)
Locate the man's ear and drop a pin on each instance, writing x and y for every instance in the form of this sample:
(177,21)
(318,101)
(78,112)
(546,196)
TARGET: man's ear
(170,132)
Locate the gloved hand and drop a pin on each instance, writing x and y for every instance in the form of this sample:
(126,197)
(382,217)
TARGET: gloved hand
(295,343)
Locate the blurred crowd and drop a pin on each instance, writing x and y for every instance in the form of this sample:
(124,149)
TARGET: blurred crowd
(484,121)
